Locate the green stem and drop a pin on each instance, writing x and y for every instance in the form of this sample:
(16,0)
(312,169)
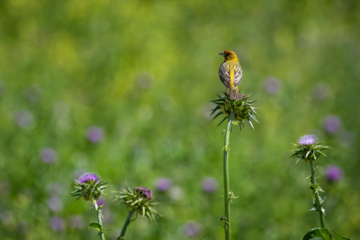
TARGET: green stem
(126,223)
(317,196)
(227,193)
(99,216)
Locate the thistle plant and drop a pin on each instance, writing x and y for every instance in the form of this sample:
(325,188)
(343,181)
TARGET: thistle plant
(237,112)
(140,201)
(308,150)
(89,187)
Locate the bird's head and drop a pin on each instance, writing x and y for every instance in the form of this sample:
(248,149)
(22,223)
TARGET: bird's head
(228,55)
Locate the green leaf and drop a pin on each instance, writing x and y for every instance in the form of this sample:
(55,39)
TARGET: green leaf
(96,226)
(337,236)
(222,121)
(318,233)
(218,114)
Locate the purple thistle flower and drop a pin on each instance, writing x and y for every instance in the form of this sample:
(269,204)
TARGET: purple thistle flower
(55,188)
(48,155)
(272,85)
(347,138)
(88,177)
(307,140)
(163,184)
(176,193)
(57,224)
(192,229)
(55,203)
(95,134)
(145,192)
(332,124)
(76,222)
(333,173)
(100,202)
(24,119)
(322,91)
(209,185)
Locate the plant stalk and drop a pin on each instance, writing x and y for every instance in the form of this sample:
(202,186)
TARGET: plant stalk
(126,223)
(227,193)
(317,197)
(99,216)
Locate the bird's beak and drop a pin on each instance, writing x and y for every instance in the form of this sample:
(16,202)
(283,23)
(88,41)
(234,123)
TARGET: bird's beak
(221,53)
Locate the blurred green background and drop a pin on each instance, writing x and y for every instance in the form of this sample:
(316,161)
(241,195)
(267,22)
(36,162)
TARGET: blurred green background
(122,88)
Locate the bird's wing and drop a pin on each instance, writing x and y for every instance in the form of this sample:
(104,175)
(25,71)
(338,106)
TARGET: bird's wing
(224,74)
(237,74)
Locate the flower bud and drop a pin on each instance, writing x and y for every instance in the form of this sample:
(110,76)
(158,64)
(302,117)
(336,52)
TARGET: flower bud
(307,149)
(140,199)
(242,110)
(89,187)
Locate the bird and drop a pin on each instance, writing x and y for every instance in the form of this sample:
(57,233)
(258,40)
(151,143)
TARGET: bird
(230,73)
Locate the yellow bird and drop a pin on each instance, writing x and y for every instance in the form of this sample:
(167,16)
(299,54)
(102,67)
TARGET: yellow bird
(230,73)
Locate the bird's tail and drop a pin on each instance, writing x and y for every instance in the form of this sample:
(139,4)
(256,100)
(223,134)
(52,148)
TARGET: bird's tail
(234,94)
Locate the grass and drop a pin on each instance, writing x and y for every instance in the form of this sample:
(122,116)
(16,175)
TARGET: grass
(145,72)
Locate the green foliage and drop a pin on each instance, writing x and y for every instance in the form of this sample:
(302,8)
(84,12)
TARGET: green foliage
(96,226)
(144,72)
(143,205)
(323,233)
(242,108)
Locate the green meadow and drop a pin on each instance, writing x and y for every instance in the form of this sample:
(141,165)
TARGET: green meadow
(123,89)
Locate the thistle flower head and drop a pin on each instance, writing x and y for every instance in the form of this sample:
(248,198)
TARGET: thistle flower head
(145,192)
(163,184)
(241,109)
(333,173)
(307,140)
(307,149)
(89,187)
(88,178)
(141,200)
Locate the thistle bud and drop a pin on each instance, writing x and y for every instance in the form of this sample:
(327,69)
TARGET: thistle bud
(242,110)
(89,187)
(140,199)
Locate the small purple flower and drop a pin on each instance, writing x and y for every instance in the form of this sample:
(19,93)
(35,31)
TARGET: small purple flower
(48,155)
(209,185)
(163,184)
(100,202)
(322,91)
(332,124)
(88,177)
(95,134)
(346,138)
(24,119)
(55,188)
(76,222)
(57,224)
(307,140)
(272,85)
(55,203)
(145,192)
(333,173)
(192,229)
(176,193)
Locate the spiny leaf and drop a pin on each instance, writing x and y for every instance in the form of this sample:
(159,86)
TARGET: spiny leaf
(96,226)
(222,121)
(218,114)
